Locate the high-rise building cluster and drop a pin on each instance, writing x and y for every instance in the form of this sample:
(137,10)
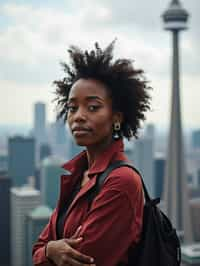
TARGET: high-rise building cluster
(29,190)
(29,184)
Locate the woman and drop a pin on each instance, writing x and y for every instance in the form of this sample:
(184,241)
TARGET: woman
(103,101)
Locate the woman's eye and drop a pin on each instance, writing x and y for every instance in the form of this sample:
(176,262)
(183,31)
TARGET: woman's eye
(93,107)
(71,108)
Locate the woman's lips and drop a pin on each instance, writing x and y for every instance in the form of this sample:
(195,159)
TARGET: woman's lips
(78,132)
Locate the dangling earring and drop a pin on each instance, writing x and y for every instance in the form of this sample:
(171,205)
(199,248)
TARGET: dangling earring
(116,131)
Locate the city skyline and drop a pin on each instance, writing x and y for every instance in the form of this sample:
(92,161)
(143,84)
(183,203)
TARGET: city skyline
(35,37)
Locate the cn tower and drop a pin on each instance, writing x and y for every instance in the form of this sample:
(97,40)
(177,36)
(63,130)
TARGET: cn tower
(175,194)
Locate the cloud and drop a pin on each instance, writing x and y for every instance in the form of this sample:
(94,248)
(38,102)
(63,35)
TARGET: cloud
(39,36)
(35,39)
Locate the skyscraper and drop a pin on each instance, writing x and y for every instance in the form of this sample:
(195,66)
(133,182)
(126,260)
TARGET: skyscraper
(50,173)
(195,217)
(142,159)
(198,177)
(23,200)
(159,165)
(39,130)
(175,188)
(3,162)
(196,139)
(40,122)
(60,141)
(150,131)
(21,159)
(45,151)
(74,149)
(36,221)
(60,132)
(5,184)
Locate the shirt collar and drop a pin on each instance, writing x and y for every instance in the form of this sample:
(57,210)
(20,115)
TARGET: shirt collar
(79,162)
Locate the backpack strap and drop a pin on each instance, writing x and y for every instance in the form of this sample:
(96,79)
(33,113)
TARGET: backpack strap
(101,178)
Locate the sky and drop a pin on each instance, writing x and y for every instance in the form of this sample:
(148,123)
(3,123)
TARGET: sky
(35,36)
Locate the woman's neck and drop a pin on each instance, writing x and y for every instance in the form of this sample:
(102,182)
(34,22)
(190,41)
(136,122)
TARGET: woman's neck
(94,151)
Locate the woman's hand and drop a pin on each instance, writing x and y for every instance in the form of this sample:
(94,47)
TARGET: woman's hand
(63,252)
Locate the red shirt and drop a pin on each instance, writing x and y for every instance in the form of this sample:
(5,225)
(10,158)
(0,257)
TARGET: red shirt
(113,222)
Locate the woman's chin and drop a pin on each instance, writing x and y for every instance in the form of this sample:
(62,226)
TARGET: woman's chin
(81,142)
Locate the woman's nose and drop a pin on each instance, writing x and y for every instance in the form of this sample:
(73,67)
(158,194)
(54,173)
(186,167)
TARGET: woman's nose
(80,114)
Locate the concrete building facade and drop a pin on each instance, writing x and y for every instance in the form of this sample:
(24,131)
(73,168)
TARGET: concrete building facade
(23,200)
(37,219)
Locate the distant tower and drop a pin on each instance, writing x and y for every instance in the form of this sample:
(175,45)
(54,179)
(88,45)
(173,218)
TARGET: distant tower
(39,128)
(40,123)
(175,188)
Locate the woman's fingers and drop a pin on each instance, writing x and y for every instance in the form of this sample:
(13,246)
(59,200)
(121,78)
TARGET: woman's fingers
(75,254)
(81,257)
(76,234)
(63,252)
(74,262)
(73,242)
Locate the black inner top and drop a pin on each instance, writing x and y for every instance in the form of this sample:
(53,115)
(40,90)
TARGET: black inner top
(63,212)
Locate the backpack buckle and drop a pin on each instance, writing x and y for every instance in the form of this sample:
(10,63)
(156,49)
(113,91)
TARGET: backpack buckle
(155,201)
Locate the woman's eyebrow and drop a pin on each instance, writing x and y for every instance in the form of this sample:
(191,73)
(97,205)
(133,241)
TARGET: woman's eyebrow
(92,97)
(73,99)
(88,98)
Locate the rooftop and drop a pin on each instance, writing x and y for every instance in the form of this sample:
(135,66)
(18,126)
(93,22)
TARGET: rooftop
(40,212)
(53,161)
(191,253)
(25,190)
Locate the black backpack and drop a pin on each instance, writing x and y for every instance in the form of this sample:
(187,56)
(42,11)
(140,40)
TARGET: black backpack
(159,244)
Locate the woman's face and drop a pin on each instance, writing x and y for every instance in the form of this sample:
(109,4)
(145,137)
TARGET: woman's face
(90,115)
